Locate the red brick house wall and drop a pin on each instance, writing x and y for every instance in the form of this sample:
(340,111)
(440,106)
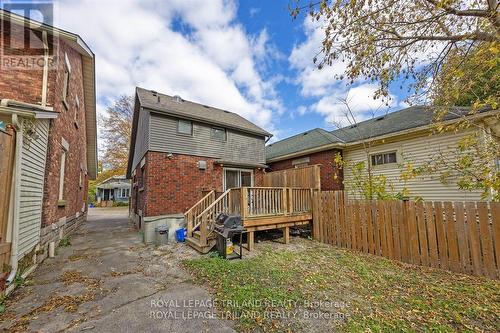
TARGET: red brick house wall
(331,175)
(70,125)
(173,185)
(25,85)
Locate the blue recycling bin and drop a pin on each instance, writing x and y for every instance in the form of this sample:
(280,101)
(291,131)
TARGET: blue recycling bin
(180,234)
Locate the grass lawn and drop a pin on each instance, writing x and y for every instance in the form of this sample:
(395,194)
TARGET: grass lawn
(322,289)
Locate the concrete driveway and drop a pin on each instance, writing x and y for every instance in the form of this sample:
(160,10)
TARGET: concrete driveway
(108,281)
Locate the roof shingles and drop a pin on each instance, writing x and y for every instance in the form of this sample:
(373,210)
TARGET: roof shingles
(185,109)
(412,117)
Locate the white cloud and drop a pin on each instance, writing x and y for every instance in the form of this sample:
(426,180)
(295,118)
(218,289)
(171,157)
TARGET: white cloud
(360,101)
(136,45)
(323,86)
(313,82)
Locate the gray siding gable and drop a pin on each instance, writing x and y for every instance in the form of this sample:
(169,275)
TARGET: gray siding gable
(142,136)
(239,146)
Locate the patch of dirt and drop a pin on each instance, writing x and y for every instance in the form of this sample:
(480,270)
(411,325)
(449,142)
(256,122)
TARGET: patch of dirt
(116,274)
(74,276)
(76,257)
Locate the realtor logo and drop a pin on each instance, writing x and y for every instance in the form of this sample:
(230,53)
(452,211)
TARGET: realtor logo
(27,35)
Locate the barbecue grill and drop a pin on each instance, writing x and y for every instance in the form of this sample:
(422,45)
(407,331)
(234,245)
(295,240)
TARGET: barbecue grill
(227,226)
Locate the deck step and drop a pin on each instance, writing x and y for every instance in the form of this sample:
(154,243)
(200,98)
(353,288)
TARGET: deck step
(197,234)
(195,244)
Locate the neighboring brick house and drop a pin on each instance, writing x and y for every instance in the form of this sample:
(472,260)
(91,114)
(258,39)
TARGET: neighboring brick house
(49,108)
(309,148)
(181,149)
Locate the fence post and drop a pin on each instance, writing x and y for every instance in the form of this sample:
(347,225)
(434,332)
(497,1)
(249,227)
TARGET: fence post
(189,223)
(203,230)
(290,200)
(405,241)
(316,204)
(244,202)
(284,201)
(317,176)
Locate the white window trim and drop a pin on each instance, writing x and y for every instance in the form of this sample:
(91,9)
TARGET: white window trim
(66,61)
(236,169)
(395,151)
(218,128)
(301,161)
(185,121)
(62,171)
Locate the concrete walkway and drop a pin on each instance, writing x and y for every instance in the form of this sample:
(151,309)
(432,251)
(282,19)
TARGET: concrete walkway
(108,281)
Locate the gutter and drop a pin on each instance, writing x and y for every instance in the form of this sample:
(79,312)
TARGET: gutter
(17,197)
(30,107)
(306,152)
(14,18)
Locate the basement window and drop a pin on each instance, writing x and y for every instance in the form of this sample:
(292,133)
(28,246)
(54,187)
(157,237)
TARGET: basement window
(384,158)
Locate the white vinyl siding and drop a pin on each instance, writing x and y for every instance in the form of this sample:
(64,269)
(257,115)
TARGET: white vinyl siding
(416,149)
(34,154)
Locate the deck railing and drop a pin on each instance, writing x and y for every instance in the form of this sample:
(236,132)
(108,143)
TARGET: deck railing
(226,203)
(269,201)
(252,202)
(192,214)
(265,200)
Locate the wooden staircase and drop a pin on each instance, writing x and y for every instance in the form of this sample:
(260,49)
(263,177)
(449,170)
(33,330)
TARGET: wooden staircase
(196,244)
(200,218)
(260,208)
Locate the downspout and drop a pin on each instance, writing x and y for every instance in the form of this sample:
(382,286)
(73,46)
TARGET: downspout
(17,195)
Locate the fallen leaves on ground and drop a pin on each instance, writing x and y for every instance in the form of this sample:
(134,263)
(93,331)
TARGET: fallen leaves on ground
(382,295)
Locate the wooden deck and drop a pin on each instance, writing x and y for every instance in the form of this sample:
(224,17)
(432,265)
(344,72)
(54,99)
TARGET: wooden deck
(261,208)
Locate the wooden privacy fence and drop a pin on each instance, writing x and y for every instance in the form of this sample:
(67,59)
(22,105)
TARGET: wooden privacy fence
(7,150)
(305,177)
(458,236)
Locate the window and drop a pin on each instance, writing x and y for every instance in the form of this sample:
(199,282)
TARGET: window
(301,162)
(64,150)
(237,178)
(384,158)
(218,133)
(124,193)
(67,72)
(77,110)
(185,127)
(80,181)
(141,179)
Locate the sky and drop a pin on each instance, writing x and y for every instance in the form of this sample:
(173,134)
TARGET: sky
(246,56)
